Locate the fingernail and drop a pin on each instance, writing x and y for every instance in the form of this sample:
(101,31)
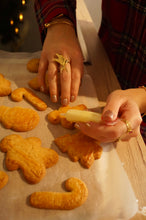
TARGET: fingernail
(108,116)
(72,98)
(42,89)
(65,101)
(54,98)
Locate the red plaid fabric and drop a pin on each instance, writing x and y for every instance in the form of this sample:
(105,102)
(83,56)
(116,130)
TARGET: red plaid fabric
(122,32)
(46,10)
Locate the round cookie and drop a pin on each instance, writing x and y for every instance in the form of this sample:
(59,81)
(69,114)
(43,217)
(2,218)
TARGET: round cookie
(33,65)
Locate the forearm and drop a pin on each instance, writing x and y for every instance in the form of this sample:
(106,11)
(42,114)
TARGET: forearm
(47,10)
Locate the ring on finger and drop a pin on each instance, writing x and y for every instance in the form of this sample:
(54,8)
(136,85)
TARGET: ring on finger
(128,126)
(62,61)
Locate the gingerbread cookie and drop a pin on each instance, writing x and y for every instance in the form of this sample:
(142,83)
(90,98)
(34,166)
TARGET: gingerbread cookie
(5,86)
(80,147)
(56,117)
(3,179)
(33,65)
(18,94)
(76,196)
(28,155)
(18,118)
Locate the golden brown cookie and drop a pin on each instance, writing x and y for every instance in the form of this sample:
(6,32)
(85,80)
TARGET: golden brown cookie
(33,65)
(18,118)
(33,83)
(3,179)
(18,94)
(75,197)
(28,155)
(55,116)
(5,86)
(80,147)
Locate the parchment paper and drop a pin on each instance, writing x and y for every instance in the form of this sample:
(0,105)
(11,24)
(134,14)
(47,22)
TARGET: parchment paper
(110,194)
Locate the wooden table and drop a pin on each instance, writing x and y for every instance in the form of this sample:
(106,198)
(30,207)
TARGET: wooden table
(132,153)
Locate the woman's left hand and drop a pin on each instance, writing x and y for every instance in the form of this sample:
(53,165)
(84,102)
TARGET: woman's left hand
(121,119)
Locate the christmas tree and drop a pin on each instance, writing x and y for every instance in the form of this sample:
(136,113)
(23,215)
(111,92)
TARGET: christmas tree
(11,20)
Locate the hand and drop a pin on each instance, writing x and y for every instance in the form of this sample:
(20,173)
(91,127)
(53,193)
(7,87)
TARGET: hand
(119,107)
(61,39)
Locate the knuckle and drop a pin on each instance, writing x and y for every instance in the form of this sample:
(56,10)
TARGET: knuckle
(65,76)
(76,76)
(51,75)
(138,122)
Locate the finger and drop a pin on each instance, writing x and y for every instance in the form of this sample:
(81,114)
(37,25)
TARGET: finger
(51,79)
(76,75)
(111,110)
(88,129)
(65,81)
(128,136)
(132,122)
(43,66)
(133,117)
(102,132)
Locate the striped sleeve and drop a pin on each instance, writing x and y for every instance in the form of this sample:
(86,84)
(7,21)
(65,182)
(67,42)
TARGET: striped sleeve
(46,10)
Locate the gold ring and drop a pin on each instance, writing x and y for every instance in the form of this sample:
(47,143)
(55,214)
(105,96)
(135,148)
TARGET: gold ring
(128,125)
(62,61)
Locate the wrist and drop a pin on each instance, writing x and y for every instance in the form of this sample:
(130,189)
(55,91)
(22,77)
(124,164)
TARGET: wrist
(60,19)
(139,96)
